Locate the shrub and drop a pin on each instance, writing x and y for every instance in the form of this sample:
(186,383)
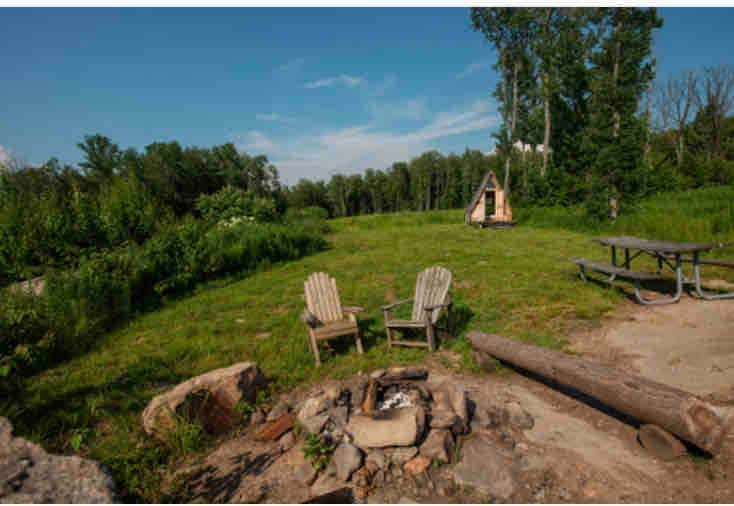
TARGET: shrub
(231,202)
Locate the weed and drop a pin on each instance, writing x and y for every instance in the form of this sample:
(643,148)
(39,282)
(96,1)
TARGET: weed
(185,436)
(318,451)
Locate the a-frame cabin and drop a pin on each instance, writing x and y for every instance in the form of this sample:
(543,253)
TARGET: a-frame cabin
(489,206)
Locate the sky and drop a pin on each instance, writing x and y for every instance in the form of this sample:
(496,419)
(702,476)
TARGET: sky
(319,91)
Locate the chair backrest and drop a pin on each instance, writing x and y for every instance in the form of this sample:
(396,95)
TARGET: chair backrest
(431,288)
(322,297)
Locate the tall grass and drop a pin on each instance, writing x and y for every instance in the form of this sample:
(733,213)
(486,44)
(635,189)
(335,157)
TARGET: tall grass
(705,214)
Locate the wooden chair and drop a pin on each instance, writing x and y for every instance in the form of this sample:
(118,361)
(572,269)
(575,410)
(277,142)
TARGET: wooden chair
(324,314)
(431,295)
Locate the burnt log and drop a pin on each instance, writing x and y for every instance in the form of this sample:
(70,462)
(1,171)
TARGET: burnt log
(675,410)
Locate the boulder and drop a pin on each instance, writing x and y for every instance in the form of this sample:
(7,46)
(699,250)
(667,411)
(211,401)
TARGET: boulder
(314,424)
(210,399)
(305,473)
(287,441)
(30,475)
(278,410)
(401,455)
(376,459)
(347,458)
(314,406)
(391,427)
(339,415)
(418,464)
(439,445)
(487,467)
(325,484)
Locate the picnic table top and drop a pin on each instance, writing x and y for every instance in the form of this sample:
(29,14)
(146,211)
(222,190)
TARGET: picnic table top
(629,242)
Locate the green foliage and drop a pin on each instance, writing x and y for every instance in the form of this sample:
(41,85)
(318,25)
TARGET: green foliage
(232,203)
(185,436)
(318,451)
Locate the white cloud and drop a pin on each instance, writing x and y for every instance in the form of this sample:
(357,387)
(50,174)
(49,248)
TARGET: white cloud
(5,155)
(273,116)
(472,68)
(259,143)
(343,79)
(356,148)
(290,65)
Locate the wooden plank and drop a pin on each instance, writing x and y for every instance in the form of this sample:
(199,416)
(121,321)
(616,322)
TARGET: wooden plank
(416,344)
(626,241)
(418,296)
(337,301)
(405,323)
(617,271)
(677,411)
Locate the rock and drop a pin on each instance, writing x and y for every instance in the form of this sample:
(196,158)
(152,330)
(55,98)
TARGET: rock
(287,441)
(661,443)
(480,420)
(391,427)
(257,418)
(274,430)
(376,459)
(305,473)
(417,464)
(404,373)
(449,397)
(347,458)
(444,419)
(357,392)
(279,410)
(339,415)
(361,482)
(209,399)
(315,424)
(379,373)
(327,486)
(439,445)
(30,475)
(517,417)
(487,467)
(313,406)
(332,392)
(400,456)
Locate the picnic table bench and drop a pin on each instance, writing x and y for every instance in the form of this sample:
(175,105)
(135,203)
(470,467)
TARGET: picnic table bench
(664,252)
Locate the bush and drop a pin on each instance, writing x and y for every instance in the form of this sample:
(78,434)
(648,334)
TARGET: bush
(313,218)
(77,306)
(231,203)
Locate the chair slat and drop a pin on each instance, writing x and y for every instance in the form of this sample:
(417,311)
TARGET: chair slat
(337,300)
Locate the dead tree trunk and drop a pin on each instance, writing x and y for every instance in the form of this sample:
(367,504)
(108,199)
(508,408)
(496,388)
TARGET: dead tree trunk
(677,411)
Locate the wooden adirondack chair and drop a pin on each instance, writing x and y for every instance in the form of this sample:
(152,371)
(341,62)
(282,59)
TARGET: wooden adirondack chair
(324,314)
(431,295)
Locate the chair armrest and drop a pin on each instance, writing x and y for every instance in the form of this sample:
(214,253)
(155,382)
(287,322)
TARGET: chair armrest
(353,309)
(310,319)
(395,304)
(436,306)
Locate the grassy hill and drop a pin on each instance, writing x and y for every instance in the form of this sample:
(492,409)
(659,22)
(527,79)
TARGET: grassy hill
(515,282)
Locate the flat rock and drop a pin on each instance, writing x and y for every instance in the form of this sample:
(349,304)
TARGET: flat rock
(209,399)
(417,464)
(400,456)
(439,445)
(314,406)
(324,485)
(661,443)
(376,459)
(278,410)
(390,427)
(487,467)
(30,475)
(347,458)
(444,418)
(314,424)
(516,416)
(404,373)
(305,473)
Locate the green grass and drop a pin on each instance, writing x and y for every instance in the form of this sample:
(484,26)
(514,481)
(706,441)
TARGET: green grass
(516,282)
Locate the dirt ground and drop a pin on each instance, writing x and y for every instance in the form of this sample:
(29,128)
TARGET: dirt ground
(574,452)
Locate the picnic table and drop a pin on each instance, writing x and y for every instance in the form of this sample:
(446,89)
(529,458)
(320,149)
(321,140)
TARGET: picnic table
(668,254)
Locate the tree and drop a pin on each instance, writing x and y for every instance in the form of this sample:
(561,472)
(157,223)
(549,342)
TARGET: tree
(101,157)
(676,99)
(715,99)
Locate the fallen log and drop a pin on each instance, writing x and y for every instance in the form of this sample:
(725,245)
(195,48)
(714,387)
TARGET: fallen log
(675,410)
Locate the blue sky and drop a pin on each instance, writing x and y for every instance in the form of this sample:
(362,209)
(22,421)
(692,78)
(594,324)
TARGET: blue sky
(317,90)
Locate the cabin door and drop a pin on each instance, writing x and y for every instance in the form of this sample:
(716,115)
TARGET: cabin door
(489,203)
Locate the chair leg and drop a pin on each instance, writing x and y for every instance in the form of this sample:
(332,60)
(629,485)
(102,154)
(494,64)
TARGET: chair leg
(314,347)
(430,334)
(358,341)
